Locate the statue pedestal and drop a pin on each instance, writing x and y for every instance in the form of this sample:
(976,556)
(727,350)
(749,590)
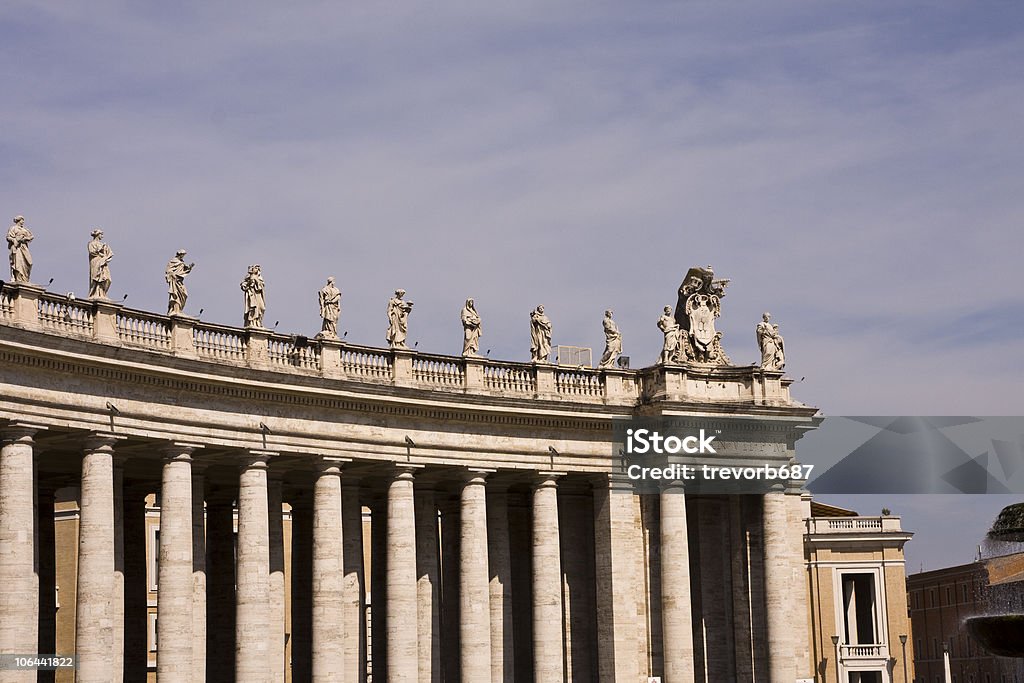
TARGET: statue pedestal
(25,302)
(182,336)
(401,371)
(474,379)
(105,325)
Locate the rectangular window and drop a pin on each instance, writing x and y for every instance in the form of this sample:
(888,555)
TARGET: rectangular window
(859,609)
(152,632)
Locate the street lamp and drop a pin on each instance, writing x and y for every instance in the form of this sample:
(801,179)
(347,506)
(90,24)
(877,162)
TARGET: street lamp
(903,642)
(835,644)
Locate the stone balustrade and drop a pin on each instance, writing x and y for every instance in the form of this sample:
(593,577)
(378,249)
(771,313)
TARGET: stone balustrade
(850,525)
(31,307)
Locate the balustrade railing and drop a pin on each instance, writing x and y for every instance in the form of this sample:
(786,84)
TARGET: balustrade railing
(859,651)
(510,378)
(144,329)
(579,382)
(443,371)
(65,314)
(214,341)
(6,305)
(359,362)
(296,352)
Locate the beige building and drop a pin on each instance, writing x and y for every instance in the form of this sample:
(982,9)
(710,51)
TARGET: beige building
(859,622)
(441,518)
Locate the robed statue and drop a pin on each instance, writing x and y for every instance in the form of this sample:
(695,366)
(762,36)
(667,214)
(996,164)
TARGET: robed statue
(540,336)
(612,341)
(773,348)
(18,238)
(253,290)
(175,274)
(471,329)
(330,309)
(670,328)
(99,266)
(398,320)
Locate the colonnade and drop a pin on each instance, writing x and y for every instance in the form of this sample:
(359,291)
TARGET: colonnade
(475,574)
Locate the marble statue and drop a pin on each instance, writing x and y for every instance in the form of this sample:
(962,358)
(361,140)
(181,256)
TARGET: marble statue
(773,353)
(612,341)
(540,336)
(175,275)
(698,306)
(99,266)
(330,309)
(398,320)
(255,304)
(471,329)
(670,328)
(18,238)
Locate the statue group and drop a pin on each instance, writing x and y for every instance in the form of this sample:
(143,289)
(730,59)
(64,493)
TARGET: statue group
(690,334)
(689,330)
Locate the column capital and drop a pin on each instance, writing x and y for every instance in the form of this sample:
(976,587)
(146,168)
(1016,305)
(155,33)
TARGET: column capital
(178,450)
(326,464)
(256,459)
(546,478)
(475,476)
(101,441)
(18,431)
(672,486)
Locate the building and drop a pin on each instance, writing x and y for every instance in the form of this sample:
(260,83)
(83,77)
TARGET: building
(941,599)
(441,518)
(858,621)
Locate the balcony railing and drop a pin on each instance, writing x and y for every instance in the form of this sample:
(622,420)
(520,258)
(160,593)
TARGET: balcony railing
(852,525)
(862,651)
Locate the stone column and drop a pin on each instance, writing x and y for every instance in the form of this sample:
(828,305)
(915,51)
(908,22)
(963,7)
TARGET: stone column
(117,594)
(174,601)
(275,529)
(353,587)
(548,652)
(220,600)
(135,587)
(328,615)
(302,586)
(448,508)
(252,597)
(474,591)
(800,590)
(777,584)
(676,619)
(500,565)
(19,595)
(402,646)
(198,574)
(95,561)
(46,547)
(614,544)
(428,593)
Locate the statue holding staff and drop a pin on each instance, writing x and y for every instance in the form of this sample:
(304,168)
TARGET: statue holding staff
(330,309)
(18,238)
(398,320)
(99,268)
(471,329)
(175,274)
(540,336)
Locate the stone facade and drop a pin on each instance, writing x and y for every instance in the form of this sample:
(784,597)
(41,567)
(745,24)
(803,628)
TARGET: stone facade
(400,515)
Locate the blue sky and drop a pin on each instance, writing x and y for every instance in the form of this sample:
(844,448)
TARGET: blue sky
(855,168)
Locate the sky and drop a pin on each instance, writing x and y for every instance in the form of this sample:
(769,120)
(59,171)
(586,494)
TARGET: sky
(854,168)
